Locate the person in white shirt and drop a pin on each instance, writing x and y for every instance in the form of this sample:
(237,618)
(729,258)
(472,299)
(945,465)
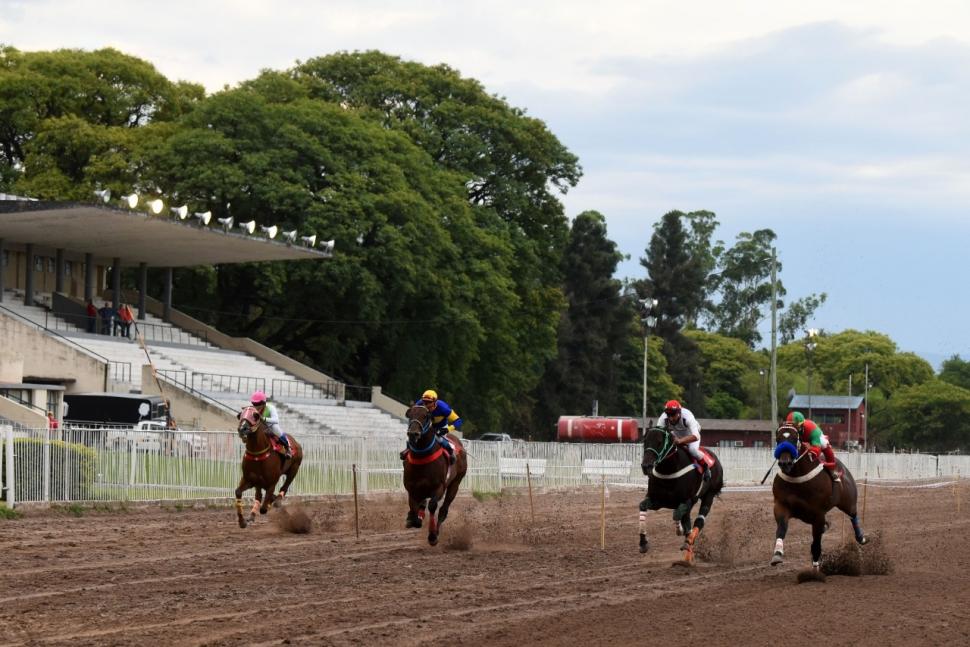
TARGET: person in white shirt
(685,429)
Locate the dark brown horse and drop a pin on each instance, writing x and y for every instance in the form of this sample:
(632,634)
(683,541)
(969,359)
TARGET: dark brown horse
(262,465)
(674,483)
(428,478)
(804,490)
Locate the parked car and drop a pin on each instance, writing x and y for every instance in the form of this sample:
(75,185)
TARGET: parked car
(493,436)
(155,436)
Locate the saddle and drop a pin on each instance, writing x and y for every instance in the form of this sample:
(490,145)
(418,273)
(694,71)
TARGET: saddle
(277,447)
(708,460)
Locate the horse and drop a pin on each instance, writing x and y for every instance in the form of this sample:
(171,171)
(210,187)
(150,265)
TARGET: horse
(428,477)
(675,483)
(802,489)
(263,464)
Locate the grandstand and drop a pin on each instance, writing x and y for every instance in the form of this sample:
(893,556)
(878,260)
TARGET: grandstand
(208,374)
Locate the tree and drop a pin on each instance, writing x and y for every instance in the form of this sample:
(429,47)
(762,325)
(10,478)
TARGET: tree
(103,88)
(725,363)
(796,316)
(743,282)
(930,417)
(956,371)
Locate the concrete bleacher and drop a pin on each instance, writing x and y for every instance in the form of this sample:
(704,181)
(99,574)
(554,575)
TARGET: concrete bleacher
(226,376)
(359,419)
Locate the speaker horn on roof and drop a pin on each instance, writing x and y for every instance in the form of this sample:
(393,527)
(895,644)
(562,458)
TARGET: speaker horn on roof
(248,227)
(181,212)
(290,236)
(327,246)
(203,216)
(226,223)
(309,241)
(269,231)
(104,195)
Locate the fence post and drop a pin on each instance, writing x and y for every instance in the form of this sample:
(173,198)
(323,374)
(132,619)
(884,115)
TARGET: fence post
(47,464)
(11,500)
(64,475)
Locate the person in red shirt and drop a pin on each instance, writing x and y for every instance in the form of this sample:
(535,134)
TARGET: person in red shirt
(92,317)
(52,423)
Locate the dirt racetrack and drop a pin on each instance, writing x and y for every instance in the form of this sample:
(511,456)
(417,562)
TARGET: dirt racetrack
(189,576)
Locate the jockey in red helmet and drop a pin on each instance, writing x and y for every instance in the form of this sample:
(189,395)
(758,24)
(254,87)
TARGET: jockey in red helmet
(272,419)
(815,441)
(686,431)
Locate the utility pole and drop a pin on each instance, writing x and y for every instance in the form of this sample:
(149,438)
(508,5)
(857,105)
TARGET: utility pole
(648,320)
(774,340)
(865,409)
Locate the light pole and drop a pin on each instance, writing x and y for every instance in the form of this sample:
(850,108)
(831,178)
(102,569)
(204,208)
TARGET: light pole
(761,394)
(648,321)
(810,350)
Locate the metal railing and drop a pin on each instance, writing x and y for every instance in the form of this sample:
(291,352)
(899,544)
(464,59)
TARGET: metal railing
(87,463)
(114,327)
(119,371)
(283,389)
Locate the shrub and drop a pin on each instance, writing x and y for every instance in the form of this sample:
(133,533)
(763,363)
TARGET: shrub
(72,469)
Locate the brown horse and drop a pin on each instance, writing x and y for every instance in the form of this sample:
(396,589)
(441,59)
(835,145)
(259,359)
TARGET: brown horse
(262,465)
(804,490)
(427,475)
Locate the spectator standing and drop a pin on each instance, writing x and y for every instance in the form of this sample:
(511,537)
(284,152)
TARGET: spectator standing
(125,317)
(92,317)
(107,319)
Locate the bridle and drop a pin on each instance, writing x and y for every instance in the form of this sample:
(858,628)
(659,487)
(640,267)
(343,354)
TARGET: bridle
(665,449)
(421,429)
(247,429)
(786,431)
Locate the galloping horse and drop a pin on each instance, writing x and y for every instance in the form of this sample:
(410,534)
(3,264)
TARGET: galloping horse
(804,490)
(263,464)
(427,475)
(674,483)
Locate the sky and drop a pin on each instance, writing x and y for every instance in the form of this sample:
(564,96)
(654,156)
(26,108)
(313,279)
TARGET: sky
(841,125)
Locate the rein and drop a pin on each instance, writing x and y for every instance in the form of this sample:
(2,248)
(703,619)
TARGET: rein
(665,450)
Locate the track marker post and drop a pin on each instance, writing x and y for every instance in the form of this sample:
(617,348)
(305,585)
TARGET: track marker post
(603,512)
(956,490)
(528,477)
(865,495)
(353,469)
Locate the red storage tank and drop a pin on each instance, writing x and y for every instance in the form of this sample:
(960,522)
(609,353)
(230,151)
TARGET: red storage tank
(587,429)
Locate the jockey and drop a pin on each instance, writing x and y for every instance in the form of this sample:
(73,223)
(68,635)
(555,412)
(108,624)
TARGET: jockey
(815,441)
(272,419)
(443,421)
(686,431)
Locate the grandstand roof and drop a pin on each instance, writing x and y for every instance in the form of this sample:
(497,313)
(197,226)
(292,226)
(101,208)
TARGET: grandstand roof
(136,237)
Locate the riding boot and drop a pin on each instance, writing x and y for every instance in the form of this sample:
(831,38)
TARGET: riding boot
(286,445)
(404,454)
(831,465)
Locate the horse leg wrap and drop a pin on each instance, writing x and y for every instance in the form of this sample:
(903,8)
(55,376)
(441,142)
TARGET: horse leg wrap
(643,523)
(779,546)
(255,506)
(239,505)
(857,528)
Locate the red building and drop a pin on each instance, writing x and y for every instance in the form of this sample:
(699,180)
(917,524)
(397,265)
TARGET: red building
(716,432)
(841,417)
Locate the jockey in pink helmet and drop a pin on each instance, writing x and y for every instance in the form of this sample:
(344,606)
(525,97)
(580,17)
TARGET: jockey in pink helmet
(272,419)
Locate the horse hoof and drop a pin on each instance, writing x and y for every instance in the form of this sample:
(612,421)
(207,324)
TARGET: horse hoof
(242,523)
(263,510)
(433,540)
(644,544)
(278,503)
(863,541)
(679,530)
(777,559)
(412,523)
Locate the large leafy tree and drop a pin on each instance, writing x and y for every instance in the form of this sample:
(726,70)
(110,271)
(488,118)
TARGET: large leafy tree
(956,371)
(599,357)
(103,88)
(930,416)
(725,364)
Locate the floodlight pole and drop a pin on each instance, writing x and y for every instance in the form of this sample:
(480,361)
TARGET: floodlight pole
(774,339)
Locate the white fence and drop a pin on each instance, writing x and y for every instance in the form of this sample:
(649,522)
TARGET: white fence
(118,465)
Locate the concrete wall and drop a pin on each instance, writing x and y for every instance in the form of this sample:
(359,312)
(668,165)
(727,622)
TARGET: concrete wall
(387,404)
(190,412)
(49,358)
(23,415)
